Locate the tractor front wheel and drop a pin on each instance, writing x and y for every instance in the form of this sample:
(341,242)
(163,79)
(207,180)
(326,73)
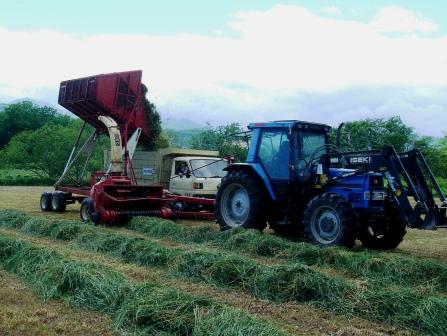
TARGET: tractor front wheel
(383,233)
(240,202)
(330,220)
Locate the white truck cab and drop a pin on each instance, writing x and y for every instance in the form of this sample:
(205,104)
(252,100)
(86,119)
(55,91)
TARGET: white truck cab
(186,172)
(196,176)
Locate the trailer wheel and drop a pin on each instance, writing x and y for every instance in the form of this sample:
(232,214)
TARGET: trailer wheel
(383,233)
(58,202)
(45,201)
(330,220)
(240,202)
(87,210)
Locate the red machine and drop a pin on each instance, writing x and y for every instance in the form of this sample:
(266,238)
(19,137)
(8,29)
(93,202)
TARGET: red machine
(113,104)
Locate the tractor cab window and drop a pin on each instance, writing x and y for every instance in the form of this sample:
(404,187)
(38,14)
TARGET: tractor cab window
(274,153)
(308,150)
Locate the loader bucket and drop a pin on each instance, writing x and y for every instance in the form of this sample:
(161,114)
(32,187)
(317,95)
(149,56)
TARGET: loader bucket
(117,95)
(429,222)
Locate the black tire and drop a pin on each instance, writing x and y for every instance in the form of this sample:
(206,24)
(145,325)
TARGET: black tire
(58,202)
(87,210)
(288,230)
(245,196)
(330,220)
(383,233)
(45,201)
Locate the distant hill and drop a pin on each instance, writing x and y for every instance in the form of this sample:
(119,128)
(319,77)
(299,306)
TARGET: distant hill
(40,103)
(180,138)
(36,102)
(180,131)
(180,124)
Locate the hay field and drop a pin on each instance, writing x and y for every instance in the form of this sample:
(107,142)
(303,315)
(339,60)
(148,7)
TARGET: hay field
(166,278)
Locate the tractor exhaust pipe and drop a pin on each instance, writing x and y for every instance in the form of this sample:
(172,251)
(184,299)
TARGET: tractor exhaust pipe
(339,134)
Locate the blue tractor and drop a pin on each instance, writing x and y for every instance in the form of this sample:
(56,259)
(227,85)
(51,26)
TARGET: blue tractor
(298,183)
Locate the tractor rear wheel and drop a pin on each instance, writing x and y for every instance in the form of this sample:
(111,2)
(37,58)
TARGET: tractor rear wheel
(383,233)
(330,220)
(58,202)
(45,201)
(240,202)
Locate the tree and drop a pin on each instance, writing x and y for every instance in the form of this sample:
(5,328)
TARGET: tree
(375,134)
(220,138)
(155,140)
(26,116)
(45,151)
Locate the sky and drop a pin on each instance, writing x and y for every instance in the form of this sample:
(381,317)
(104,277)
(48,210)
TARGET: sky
(240,61)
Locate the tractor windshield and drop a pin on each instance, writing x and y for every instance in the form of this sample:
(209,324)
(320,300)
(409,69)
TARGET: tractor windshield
(308,150)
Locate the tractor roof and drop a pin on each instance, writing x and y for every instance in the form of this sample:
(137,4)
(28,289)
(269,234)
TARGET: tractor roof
(297,124)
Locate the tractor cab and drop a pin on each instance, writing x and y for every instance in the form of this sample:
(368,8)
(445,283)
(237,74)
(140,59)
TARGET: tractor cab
(287,149)
(282,157)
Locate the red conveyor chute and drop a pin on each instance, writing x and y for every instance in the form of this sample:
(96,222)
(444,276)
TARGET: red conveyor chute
(117,95)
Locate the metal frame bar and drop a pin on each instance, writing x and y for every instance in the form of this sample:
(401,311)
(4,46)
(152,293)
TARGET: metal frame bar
(89,151)
(71,160)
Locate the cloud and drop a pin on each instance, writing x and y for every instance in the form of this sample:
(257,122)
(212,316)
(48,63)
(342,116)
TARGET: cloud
(396,19)
(268,67)
(331,10)
(424,110)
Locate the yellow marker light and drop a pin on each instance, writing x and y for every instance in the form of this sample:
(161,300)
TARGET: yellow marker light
(323,178)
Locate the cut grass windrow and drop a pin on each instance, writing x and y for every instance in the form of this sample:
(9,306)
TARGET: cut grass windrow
(380,267)
(147,308)
(417,307)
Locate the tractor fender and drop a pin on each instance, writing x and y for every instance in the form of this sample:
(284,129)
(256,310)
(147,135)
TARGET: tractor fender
(256,170)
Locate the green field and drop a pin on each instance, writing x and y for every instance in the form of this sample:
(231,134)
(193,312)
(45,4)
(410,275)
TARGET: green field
(11,177)
(166,278)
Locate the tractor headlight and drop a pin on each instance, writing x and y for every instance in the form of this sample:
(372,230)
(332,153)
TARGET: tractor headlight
(378,195)
(374,195)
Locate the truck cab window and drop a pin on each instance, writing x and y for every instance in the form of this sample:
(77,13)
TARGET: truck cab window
(181,169)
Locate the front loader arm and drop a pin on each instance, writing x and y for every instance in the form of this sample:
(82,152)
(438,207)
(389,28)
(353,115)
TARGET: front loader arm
(408,175)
